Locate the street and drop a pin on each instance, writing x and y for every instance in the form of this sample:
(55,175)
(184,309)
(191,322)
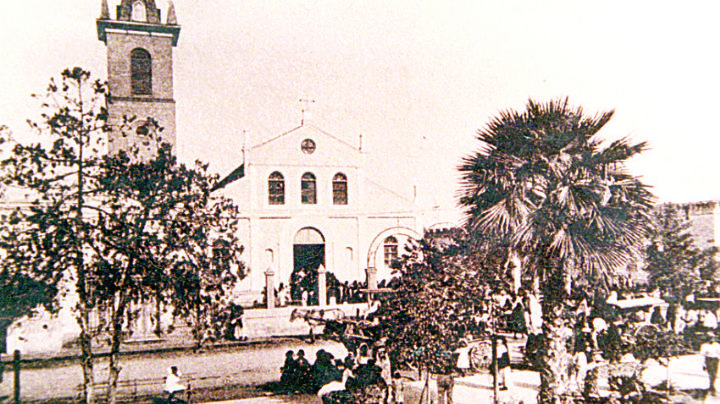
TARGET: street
(245,365)
(257,364)
(686,373)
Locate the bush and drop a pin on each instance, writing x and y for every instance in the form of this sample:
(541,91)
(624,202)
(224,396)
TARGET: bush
(655,343)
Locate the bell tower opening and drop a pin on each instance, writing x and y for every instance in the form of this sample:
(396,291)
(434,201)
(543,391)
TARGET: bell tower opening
(138,11)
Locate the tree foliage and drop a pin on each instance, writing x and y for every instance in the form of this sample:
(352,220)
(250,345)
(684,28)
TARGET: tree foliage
(22,288)
(438,296)
(122,229)
(545,185)
(44,236)
(674,262)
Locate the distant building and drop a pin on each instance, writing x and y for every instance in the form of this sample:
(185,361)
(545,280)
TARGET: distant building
(704,219)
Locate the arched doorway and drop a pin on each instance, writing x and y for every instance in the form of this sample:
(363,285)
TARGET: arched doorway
(308,255)
(385,247)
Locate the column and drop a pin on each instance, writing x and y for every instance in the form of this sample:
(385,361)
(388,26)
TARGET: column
(322,286)
(372,282)
(270,288)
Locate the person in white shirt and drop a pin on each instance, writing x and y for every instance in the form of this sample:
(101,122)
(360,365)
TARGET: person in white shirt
(173,385)
(711,351)
(709,321)
(463,358)
(533,319)
(335,385)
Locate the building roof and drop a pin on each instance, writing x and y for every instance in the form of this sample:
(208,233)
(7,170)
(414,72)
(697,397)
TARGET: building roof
(300,128)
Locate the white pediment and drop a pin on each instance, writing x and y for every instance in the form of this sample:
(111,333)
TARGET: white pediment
(306,145)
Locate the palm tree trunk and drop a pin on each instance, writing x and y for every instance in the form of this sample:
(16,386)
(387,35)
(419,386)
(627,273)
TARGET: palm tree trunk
(554,356)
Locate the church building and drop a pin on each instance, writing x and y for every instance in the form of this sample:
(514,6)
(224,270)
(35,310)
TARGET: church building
(308,209)
(308,206)
(311,220)
(140,74)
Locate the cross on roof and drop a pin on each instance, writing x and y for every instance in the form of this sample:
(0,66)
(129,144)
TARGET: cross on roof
(306,106)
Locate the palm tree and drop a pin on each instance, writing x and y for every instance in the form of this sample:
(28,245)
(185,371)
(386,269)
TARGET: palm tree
(544,184)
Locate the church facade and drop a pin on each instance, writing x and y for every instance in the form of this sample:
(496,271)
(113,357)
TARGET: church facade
(308,206)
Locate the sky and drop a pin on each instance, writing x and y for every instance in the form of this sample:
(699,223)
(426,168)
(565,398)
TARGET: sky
(417,79)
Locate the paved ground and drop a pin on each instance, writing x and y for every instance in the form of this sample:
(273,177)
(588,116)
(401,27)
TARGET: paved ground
(243,365)
(685,373)
(255,364)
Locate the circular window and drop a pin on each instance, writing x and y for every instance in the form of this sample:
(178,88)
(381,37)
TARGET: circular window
(307,146)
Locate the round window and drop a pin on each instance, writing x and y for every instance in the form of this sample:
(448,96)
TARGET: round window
(307,146)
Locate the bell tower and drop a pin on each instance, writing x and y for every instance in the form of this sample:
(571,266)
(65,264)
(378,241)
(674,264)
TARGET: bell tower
(140,74)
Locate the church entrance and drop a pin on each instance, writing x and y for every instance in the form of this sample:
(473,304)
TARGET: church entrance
(308,255)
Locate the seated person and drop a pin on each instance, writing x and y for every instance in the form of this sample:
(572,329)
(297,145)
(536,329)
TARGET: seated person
(288,379)
(173,385)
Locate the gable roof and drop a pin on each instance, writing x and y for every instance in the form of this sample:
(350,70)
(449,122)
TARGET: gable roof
(330,148)
(305,126)
(236,174)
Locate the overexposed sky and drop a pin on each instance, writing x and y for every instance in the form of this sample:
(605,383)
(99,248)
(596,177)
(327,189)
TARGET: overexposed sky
(416,78)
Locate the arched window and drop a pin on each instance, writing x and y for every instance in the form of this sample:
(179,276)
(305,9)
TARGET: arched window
(308,190)
(340,189)
(276,189)
(141,72)
(391,250)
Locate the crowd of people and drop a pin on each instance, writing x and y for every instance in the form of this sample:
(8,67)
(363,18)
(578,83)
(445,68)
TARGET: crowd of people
(329,377)
(337,293)
(607,331)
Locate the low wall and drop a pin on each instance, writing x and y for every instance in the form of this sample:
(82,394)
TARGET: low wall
(47,334)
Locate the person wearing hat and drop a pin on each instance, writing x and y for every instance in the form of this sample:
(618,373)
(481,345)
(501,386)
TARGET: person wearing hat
(288,378)
(711,351)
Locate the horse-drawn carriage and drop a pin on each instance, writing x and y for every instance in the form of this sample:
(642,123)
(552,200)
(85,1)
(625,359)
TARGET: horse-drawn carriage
(638,312)
(353,331)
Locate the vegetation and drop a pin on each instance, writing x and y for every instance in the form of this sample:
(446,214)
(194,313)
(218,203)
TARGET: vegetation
(440,291)
(119,229)
(674,262)
(22,289)
(544,184)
